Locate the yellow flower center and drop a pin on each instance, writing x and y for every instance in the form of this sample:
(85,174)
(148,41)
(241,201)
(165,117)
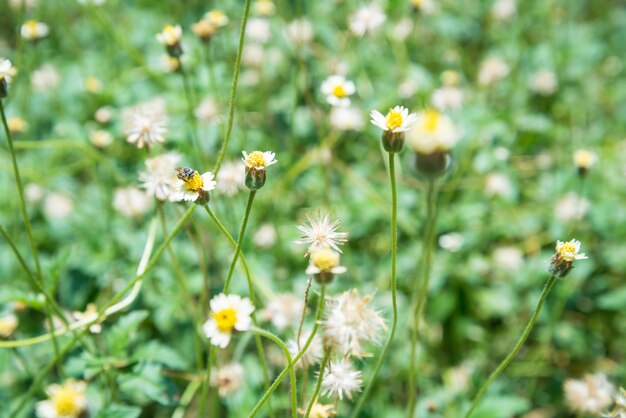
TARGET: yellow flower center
(325,259)
(32,25)
(225,319)
(339,91)
(394,119)
(567,251)
(65,402)
(256,159)
(193,182)
(431,120)
(216,15)
(583,159)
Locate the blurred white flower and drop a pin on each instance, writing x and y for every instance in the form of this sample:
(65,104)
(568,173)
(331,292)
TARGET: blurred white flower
(592,394)
(33,30)
(319,410)
(145,123)
(258,30)
(498,184)
(33,193)
(407,88)
(401,30)
(265,236)
(206,111)
(350,322)
(228,378)
(491,71)
(17,125)
(367,19)
(45,78)
(312,355)
(101,138)
(299,32)
(104,114)
(508,258)
(264,7)
(131,202)
(58,206)
(7,70)
(432,132)
(338,90)
(283,310)
(428,7)
(92,2)
(169,64)
(231,178)
(8,325)
(321,232)
(571,207)
(68,400)
(503,10)
(347,119)
(544,82)
(447,98)
(27,4)
(253,55)
(170,35)
(228,313)
(452,241)
(160,179)
(341,379)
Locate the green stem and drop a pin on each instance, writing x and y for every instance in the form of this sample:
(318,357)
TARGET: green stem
(394,249)
(204,394)
(518,346)
(242,232)
(233,88)
(318,386)
(186,398)
(418,307)
(259,345)
(281,376)
(292,373)
(29,230)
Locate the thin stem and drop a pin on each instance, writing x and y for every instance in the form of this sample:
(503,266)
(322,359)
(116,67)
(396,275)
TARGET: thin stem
(394,249)
(517,347)
(318,386)
(186,398)
(206,381)
(292,373)
(242,232)
(29,230)
(300,325)
(418,306)
(233,89)
(281,376)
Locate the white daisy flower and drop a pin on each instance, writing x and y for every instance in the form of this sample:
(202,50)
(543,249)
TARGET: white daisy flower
(367,19)
(503,10)
(299,32)
(145,123)
(207,110)
(447,98)
(191,184)
(397,119)
(544,82)
(258,160)
(321,233)
(7,70)
(228,378)
(34,30)
(325,261)
(228,313)
(350,322)
(43,79)
(570,250)
(592,394)
(347,119)
(314,352)
(258,30)
(341,379)
(337,90)
(68,400)
(283,310)
(160,179)
(170,35)
(432,132)
(131,202)
(491,71)
(231,178)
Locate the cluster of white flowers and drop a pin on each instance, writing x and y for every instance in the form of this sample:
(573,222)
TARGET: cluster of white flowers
(159,179)
(367,20)
(592,394)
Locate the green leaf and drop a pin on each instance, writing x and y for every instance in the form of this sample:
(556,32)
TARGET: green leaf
(157,352)
(120,335)
(145,384)
(120,411)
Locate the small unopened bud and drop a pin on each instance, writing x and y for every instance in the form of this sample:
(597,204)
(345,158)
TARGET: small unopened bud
(562,261)
(4,88)
(433,165)
(255,178)
(583,159)
(393,142)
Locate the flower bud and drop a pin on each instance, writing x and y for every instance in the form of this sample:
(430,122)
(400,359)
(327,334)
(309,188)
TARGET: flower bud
(4,90)
(433,165)
(393,142)
(562,261)
(255,179)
